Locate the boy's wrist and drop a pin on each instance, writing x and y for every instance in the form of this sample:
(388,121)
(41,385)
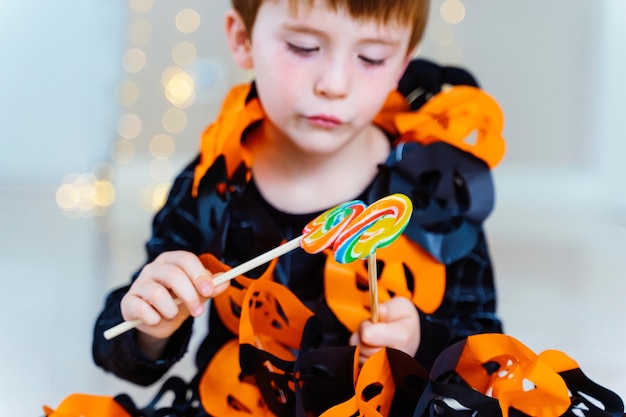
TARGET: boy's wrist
(150,346)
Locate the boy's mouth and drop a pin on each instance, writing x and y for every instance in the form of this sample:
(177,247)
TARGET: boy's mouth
(323,120)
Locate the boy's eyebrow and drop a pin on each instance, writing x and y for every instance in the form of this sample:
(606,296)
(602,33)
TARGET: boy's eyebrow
(311,30)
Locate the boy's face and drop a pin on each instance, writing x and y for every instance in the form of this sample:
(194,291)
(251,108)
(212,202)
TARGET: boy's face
(321,75)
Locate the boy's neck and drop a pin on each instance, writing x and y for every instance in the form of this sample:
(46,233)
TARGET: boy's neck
(298,182)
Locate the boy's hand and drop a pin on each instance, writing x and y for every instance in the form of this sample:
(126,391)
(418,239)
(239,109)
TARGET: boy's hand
(172,276)
(398,328)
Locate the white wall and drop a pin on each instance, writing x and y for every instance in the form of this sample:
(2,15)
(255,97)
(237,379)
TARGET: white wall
(556,69)
(58,74)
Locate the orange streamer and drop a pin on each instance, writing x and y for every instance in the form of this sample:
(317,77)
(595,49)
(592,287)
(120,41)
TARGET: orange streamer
(88,406)
(221,391)
(374,390)
(453,116)
(408,272)
(522,380)
(229,303)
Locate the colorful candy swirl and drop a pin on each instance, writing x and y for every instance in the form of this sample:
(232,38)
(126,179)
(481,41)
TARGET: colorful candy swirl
(376,227)
(322,231)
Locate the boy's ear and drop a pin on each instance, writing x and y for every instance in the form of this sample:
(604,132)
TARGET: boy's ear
(238,39)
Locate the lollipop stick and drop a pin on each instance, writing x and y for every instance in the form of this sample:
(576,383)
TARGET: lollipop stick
(372,275)
(226,276)
(258,261)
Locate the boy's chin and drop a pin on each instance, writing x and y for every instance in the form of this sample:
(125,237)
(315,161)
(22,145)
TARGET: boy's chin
(320,143)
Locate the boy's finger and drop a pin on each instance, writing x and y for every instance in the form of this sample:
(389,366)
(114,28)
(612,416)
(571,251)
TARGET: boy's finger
(217,290)
(187,261)
(204,284)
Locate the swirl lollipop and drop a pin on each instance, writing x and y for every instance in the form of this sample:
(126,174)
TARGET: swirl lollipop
(376,227)
(317,235)
(322,232)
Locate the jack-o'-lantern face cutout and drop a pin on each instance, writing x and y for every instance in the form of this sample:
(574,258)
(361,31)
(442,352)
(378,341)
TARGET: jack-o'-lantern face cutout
(452,193)
(271,311)
(222,137)
(224,393)
(463,116)
(386,374)
(270,333)
(501,367)
(374,389)
(404,269)
(494,374)
(229,303)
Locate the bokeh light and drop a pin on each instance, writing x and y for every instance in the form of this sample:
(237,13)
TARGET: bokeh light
(85,195)
(153,197)
(129,126)
(452,11)
(67,196)
(104,193)
(140,6)
(174,120)
(187,21)
(180,90)
(170,73)
(134,60)
(184,54)
(82,195)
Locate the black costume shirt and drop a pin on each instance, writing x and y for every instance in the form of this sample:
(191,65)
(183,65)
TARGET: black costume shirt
(242,224)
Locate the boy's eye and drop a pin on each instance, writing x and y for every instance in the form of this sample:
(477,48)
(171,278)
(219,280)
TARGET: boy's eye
(302,50)
(372,62)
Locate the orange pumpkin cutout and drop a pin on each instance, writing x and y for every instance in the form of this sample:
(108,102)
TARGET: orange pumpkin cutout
(271,311)
(84,405)
(223,137)
(453,116)
(501,367)
(408,271)
(229,303)
(223,393)
(374,390)
(270,331)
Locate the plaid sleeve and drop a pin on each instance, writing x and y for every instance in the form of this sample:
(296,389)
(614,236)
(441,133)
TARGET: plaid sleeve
(468,307)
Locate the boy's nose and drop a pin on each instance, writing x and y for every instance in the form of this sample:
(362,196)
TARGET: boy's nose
(333,81)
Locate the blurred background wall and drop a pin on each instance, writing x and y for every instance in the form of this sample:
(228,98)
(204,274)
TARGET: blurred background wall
(101,103)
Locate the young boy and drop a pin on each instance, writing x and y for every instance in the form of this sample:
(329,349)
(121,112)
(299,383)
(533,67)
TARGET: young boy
(314,130)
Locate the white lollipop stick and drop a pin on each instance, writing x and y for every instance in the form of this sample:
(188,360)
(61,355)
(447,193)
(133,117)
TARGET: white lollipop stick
(372,276)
